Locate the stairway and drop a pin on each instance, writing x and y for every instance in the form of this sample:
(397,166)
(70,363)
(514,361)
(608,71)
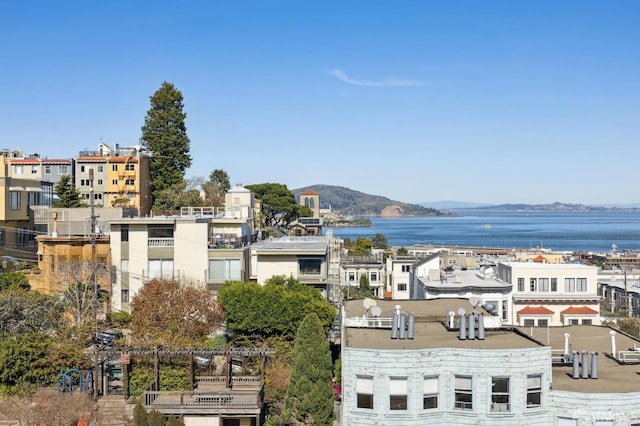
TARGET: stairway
(114,411)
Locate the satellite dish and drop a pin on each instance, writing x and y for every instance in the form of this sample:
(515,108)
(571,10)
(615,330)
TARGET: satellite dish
(367,303)
(376,311)
(474,301)
(461,311)
(490,307)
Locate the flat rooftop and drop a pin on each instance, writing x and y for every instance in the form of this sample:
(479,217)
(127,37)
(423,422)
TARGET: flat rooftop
(612,376)
(429,329)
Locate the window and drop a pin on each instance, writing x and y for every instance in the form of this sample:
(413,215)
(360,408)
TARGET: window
(581,284)
(124,295)
(533,284)
(114,182)
(309,266)
(586,322)
(352,276)
(130,182)
(402,286)
(161,268)
(225,270)
(114,167)
(82,170)
(569,284)
(100,168)
(529,322)
(534,390)
(554,284)
(15,200)
(398,393)
(18,170)
(124,265)
(47,170)
(520,284)
(34,170)
(543,323)
(573,321)
(463,393)
(543,284)
(160,231)
(124,232)
(364,392)
(99,181)
(500,394)
(33,199)
(129,167)
(406,268)
(430,392)
(374,276)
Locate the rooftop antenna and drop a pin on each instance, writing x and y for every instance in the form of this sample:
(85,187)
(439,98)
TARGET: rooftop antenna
(475,302)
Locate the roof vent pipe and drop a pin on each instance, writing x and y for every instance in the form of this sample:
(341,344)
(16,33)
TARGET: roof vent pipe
(480,326)
(594,365)
(463,327)
(613,343)
(410,328)
(472,326)
(394,326)
(566,344)
(576,368)
(451,319)
(585,365)
(402,326)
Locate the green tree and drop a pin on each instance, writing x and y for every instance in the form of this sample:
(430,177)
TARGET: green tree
(13,280)
(68,194)
(275,309)
(309,395)
(379,241)
(156,418)
(164,133)
(30,312)
(279,206)
(139,414)
(215,188)
(361,247)
(173,421)
(182,194)
(365,287)
(402,251)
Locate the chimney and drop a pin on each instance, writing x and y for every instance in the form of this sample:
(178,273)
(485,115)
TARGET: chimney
(463,327)
(585,365)
(576,368)
(410,330)
(402,326)
(594,365)
(566,344)
(472,326)
(394,325)
(613,344)
(480,326)
(451,319)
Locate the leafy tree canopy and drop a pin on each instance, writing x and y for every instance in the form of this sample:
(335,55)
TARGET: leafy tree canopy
(68,194)
(215,188)
(275,309)
(175,314)
(182,194)
(309,395)
(379,241)
(279,206)
(29,312)
(361,247)
(164,133)
(14,281)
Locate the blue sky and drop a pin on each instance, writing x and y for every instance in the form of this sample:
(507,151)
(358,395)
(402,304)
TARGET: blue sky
(494,101)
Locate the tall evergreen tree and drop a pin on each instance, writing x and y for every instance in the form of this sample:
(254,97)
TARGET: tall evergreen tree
(164,134)
(68,193)
(309,398)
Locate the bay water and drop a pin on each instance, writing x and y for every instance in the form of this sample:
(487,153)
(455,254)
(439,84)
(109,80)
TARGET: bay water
(559,231)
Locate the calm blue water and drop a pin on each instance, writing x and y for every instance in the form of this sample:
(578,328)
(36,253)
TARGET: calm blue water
(562,231)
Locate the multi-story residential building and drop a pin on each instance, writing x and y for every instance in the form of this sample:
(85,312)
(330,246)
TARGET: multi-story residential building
(120,177)
(311,199)
(398,270)
(372,268)
(201,245)
(415,364)
(552,294)
(306,259)
(17,195)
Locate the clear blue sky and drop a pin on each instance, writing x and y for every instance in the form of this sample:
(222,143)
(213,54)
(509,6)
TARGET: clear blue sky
(486,101)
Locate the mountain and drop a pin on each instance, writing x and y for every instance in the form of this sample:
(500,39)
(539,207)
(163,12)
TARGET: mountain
(356,203)
(445,205)
(557,206)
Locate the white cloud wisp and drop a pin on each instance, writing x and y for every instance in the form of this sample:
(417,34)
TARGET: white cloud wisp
(342,76)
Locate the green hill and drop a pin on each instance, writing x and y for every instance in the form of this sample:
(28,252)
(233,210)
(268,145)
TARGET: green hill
(356,203)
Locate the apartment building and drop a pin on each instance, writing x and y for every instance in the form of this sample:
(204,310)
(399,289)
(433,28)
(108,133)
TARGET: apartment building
(432,362)
(398,270)
(372,268)
(552,294)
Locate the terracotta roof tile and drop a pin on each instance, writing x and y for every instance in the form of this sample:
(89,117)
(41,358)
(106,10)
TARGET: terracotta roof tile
(535,310)
(579,310)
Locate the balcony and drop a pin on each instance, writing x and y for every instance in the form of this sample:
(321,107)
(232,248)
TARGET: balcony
(160,242)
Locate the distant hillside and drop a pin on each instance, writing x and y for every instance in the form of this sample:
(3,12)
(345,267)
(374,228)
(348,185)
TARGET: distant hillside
(557,206)
(355,203)
(444,205)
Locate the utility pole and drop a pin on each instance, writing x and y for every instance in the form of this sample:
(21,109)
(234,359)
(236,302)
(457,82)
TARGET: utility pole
(94,299)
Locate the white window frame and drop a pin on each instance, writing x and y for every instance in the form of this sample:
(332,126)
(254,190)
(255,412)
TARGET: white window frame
(364,392)
(463,391)
(500,398)
(430,392)
(398,394)
(534,390)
